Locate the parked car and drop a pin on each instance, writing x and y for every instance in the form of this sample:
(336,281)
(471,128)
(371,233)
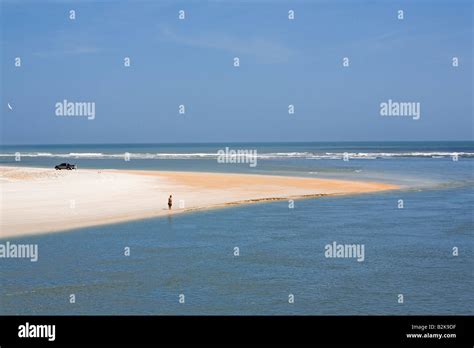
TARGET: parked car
(65,166)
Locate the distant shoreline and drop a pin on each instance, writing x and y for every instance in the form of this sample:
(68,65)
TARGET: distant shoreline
(40,200)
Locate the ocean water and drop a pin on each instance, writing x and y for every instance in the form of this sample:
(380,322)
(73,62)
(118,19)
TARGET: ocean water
(407,251)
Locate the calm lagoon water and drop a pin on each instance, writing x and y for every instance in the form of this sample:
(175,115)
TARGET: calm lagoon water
(408,251)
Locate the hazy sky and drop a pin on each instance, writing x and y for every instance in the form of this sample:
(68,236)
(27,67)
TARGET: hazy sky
(190,62)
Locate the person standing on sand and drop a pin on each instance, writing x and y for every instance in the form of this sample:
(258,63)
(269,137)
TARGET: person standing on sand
(170,202)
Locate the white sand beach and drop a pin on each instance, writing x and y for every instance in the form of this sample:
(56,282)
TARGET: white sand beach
(39,200)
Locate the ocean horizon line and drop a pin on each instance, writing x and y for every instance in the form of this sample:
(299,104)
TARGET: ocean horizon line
(251,142)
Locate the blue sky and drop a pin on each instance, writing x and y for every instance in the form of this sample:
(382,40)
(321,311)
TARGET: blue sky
(190,62)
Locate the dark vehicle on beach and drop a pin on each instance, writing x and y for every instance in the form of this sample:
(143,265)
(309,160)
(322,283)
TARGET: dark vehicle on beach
(65,166)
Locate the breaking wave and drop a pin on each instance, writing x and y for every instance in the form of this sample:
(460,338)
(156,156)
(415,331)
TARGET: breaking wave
(263,156)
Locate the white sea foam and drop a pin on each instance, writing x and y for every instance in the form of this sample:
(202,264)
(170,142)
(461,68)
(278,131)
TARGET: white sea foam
(260,156)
